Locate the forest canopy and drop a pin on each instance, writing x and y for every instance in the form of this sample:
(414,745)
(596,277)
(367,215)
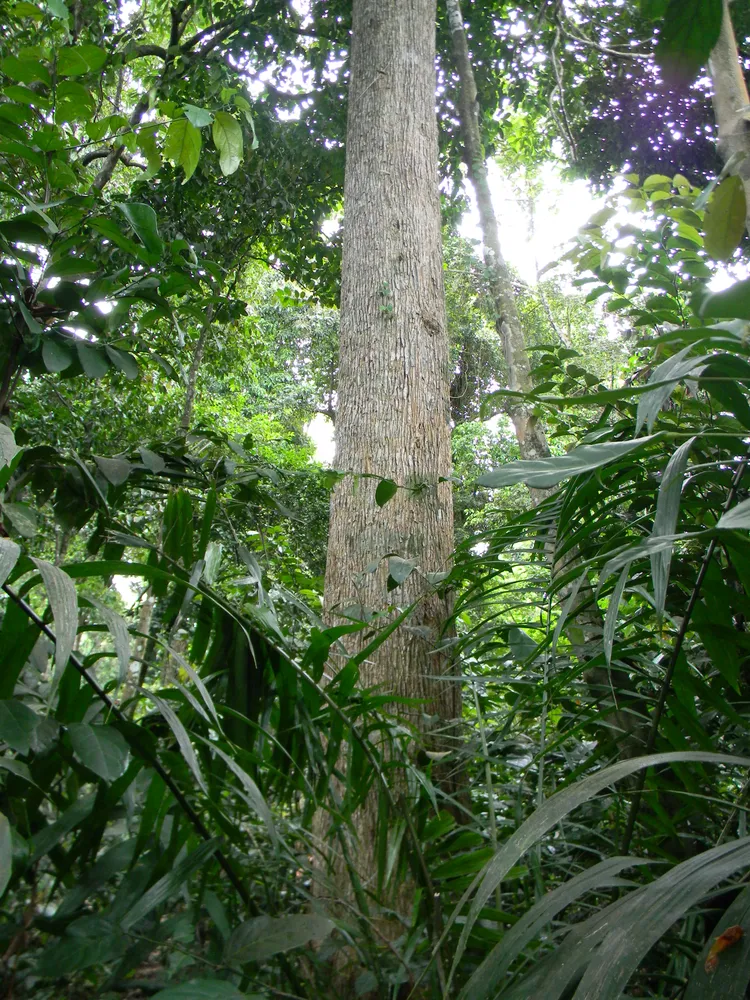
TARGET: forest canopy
(460,711)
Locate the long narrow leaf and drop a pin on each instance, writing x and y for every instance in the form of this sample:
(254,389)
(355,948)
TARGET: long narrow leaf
(544,818)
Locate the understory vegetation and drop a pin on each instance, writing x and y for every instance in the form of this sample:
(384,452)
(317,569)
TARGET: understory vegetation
(187,745)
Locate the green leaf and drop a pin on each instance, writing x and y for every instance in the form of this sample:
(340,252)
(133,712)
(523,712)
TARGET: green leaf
(123,361)
(261,938)
(50,836)
(182,146)
(114,470)
(544,473)
(63,602)
(99,748)
(9,553)
(23,517)
(203,989)
(55,357)
(60,174)
(143,220)
(17,723)
(689,31)
(6,854)
(58,8)
(227,135)
(183,740)
(665,522)
(22,229)
(400,569)
(610,622)
(485,980)
(724,222)
(669,372)
(27,69)
(8,447)
(522,646)
(199,117)
(732,303)
(118,629)
(93,361)
(153,462)
(730,978)
(71,267)
(736,519)
(75,60)
(650,915)
(169,884)
(386,490)
(545,818)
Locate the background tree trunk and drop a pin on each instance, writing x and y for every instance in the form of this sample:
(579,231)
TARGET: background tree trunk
(730,99)
(393,414)
(532,442)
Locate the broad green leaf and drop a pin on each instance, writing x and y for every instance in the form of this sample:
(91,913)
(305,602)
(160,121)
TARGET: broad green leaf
(665,522)
(71,267)
(75,60)
(23,229)
(736,519)
(169,884)
(6,854)
(17,723)
(76,952)
(93,361)
(56,357)
(724,222)
(114,470)
(227,136)
(732,303)
(99,748)
(522,646)
(182,146)
(23,517)
(546,817)
(112,862)
(199,117)
(152,461)
(8,447)
(114,234)
(144,222)
(25,68)
(204,989)
(385,491)
(491,972)
(261,938)
(63,602)
(16,767)
(123,361)
(689,31)
(50,836)
(9,553)
(400,569)
(543,473)
(651,914)
(58,8)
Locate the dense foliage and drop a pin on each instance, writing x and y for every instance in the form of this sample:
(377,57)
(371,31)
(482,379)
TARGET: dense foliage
(172,724)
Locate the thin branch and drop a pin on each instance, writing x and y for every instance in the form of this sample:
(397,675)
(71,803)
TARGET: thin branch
(100,154)
(636,56)
(146,50)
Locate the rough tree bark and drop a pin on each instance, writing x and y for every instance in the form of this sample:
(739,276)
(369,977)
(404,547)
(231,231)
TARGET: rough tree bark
(730,100)
(393,414)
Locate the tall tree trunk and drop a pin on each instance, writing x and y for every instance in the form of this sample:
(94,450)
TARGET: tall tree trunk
(731,100)
(195,364)
(393,415)
(530,433)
